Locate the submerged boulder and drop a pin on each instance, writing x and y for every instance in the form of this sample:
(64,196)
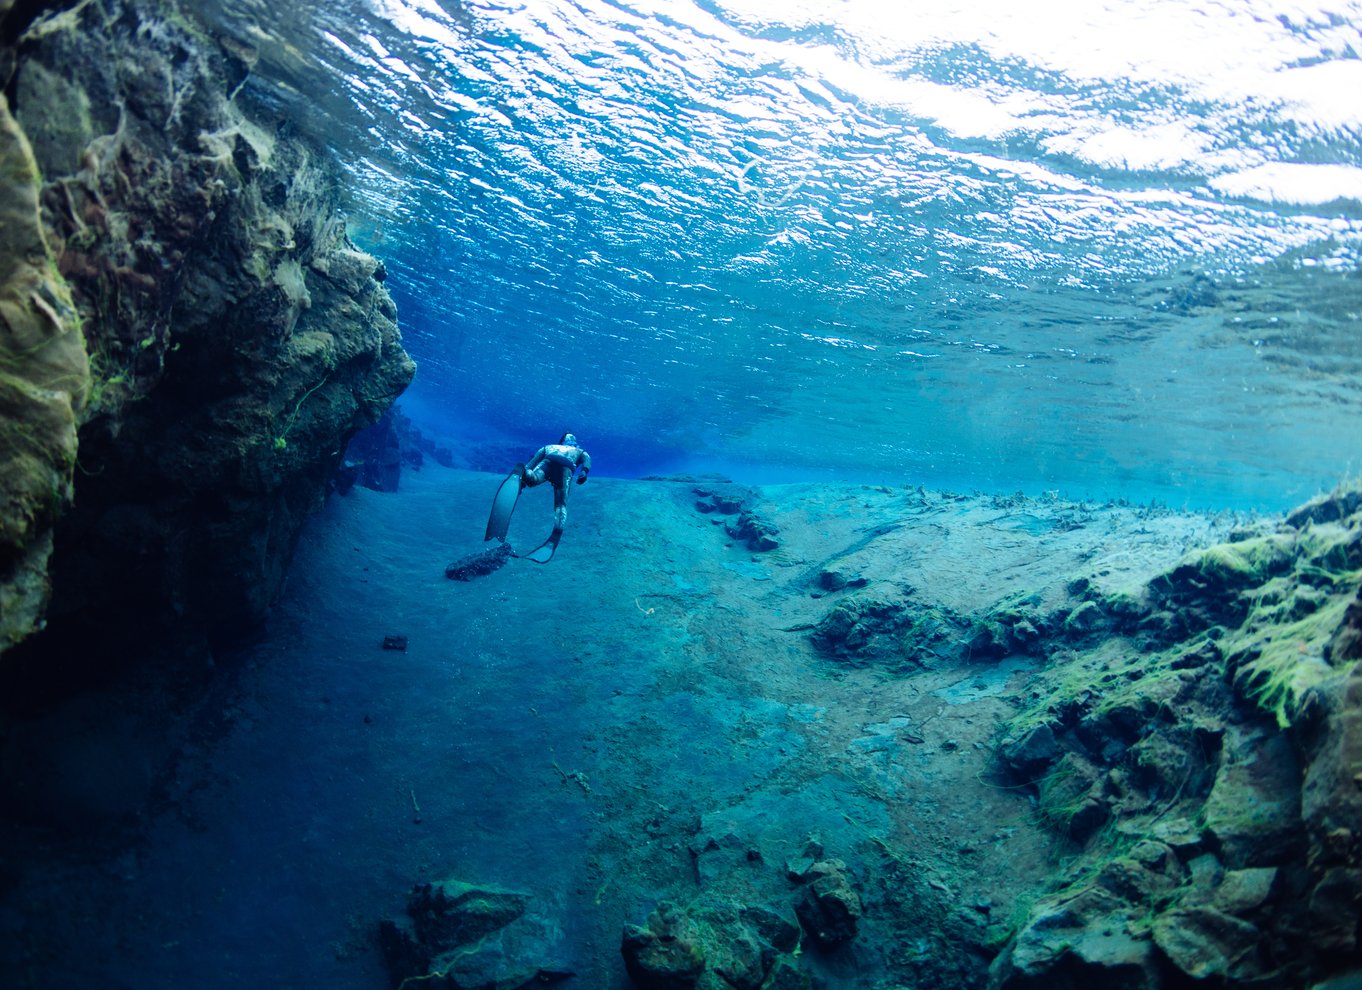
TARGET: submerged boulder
(443,941)
(1253,810)
(714,944)
(1209,945)
(1331,811)
(1077,942)
(1030,751)
(758,532)
(727,500)
(665,952)
(828,906)
(891,631)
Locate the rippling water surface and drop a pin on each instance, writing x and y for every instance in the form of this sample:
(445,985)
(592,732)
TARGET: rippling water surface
(1108,247)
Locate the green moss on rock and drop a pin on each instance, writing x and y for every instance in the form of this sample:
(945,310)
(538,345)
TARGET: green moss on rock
(44,380)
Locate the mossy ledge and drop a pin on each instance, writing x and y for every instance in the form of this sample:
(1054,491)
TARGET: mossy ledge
(1199,758)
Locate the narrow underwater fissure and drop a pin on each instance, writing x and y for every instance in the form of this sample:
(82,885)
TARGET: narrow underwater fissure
(880,726)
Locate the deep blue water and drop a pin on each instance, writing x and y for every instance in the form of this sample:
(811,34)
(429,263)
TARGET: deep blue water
(1106,248)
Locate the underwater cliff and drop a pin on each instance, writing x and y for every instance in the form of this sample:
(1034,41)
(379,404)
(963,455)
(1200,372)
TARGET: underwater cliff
(233,337)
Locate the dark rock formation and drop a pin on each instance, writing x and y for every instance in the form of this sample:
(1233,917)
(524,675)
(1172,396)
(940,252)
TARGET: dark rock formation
(1013,629)
(828,906)
(479,564)
(750,528)
(838,576)
(377,454)
(756,531)
(892,632)
(415,445)
(444,940)
(237,338)
(727,500)
(1077,942)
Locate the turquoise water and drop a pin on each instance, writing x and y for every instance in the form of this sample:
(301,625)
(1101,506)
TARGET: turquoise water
(1110,249)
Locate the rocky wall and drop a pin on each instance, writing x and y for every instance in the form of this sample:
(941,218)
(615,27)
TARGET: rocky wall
(1199,747)
(236,337)
(44,378)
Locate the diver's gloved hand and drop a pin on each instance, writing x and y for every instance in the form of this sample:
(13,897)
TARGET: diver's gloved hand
(581,478)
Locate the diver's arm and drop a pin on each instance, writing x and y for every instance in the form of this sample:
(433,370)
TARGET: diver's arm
(583,467)
(536,460)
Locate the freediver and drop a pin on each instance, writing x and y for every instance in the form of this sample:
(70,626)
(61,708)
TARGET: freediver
(556,463)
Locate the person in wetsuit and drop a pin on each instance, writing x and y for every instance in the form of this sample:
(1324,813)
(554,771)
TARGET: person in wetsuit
(556,463)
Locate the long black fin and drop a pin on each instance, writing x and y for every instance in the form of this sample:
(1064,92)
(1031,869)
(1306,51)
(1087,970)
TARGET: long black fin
(503,505)
(543,553)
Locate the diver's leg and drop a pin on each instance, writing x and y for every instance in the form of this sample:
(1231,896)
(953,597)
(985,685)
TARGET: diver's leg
(560,494)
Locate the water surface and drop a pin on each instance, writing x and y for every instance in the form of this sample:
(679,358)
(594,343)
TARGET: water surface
(1110,248)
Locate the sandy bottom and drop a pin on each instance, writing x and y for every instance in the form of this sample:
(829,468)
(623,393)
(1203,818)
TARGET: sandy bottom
(566,730)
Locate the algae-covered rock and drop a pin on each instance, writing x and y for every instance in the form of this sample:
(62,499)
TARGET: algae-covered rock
(1031,752)
(785,975)
(775,926)
(664,953)
(1206,588)
(1151,869)
(44,379)
(1331,810)
(1330,507)
(1334,912)
(1084,620)
(1007,630)
(1071,799)
(1222,718)
(1243,892)
(237,337)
